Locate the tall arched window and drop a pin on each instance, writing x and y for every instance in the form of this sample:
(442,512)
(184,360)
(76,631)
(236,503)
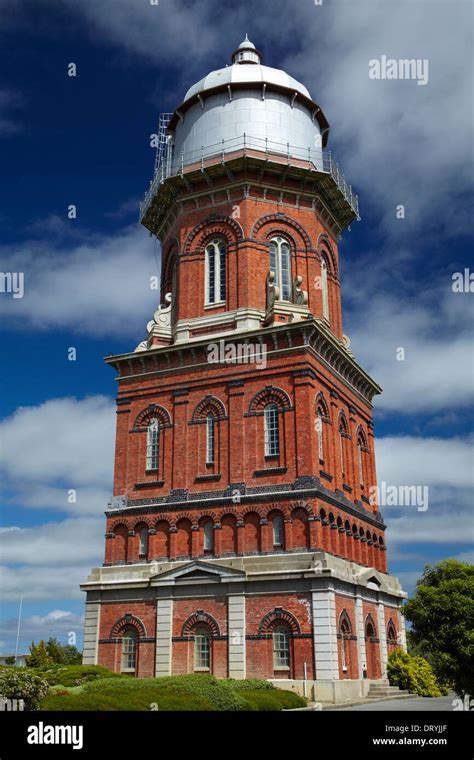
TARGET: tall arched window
(208,536)
(202,648)
(277,528)
(343,438)
(324,288)
(129,650)
(143,541)
(272,432)
(319,430)
(210,438)
(280,264)
(281,646)
(361,458)
(215,272)
(153,445)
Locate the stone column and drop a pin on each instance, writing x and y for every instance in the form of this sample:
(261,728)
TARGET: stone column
(91,633)
(360,632)
(164,626)
(382,639)
(236,633)
(325,635)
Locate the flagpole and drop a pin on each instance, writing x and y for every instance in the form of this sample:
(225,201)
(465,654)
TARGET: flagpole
(18,629)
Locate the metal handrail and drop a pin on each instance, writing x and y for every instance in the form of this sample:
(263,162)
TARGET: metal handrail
(174,165)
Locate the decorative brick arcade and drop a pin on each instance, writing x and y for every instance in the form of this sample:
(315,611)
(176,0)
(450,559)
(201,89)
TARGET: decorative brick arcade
(243,538)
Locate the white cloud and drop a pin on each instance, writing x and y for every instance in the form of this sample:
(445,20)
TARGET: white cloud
(63,440)
(99,286)
(43,582)
(439,462)
(53,544)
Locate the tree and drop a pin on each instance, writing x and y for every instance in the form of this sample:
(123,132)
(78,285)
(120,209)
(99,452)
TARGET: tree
(441,613)
(72,656)
(63,654)
(38,657)
(55,650)
(10,660)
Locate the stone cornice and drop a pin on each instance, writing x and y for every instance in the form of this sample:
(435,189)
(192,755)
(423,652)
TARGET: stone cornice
(317,338)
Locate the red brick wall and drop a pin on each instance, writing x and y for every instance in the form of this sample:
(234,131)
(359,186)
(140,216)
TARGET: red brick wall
(109,654)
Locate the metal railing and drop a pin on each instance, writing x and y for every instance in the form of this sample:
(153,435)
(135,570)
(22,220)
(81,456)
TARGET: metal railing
(172,165)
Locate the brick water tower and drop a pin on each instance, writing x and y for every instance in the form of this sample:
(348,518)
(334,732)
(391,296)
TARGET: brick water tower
(242,539)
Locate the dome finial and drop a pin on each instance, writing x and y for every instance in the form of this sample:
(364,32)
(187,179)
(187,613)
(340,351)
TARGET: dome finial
(246,52)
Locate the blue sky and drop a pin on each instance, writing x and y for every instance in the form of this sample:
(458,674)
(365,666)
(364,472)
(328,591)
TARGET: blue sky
(84,140)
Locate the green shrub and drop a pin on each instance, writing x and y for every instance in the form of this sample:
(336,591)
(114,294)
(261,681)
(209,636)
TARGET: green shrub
(218,692)
(126,699)
(75,675)
(413,673)
(249,684)
(20,683)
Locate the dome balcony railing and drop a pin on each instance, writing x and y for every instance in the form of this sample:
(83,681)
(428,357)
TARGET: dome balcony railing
(174,165)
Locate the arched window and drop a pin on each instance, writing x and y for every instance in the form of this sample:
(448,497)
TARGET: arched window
(343,438)
(345,631)
(280,264)
(324,288)
(319,430)
(272,432)
(129,650)
(277,527)
(362,452)
(215,272)
(281,646)
(210,438)
(153,445)
(208,536)
(202,648)
(391,634)
(143,541)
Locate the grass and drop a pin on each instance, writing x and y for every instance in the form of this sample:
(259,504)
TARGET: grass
(103,690)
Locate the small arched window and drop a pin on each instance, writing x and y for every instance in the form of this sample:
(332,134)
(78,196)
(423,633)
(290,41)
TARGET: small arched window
(277,527)
(210,438)
(324,288)
(202,648)
(272,431)
(280,265)
(215,272)
(208,536)
(129,650)
(153,445)
(281,646)
(143,540)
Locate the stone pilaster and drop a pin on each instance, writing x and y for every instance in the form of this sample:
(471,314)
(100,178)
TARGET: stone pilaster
(164,622)
(325,635)
(236,633)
